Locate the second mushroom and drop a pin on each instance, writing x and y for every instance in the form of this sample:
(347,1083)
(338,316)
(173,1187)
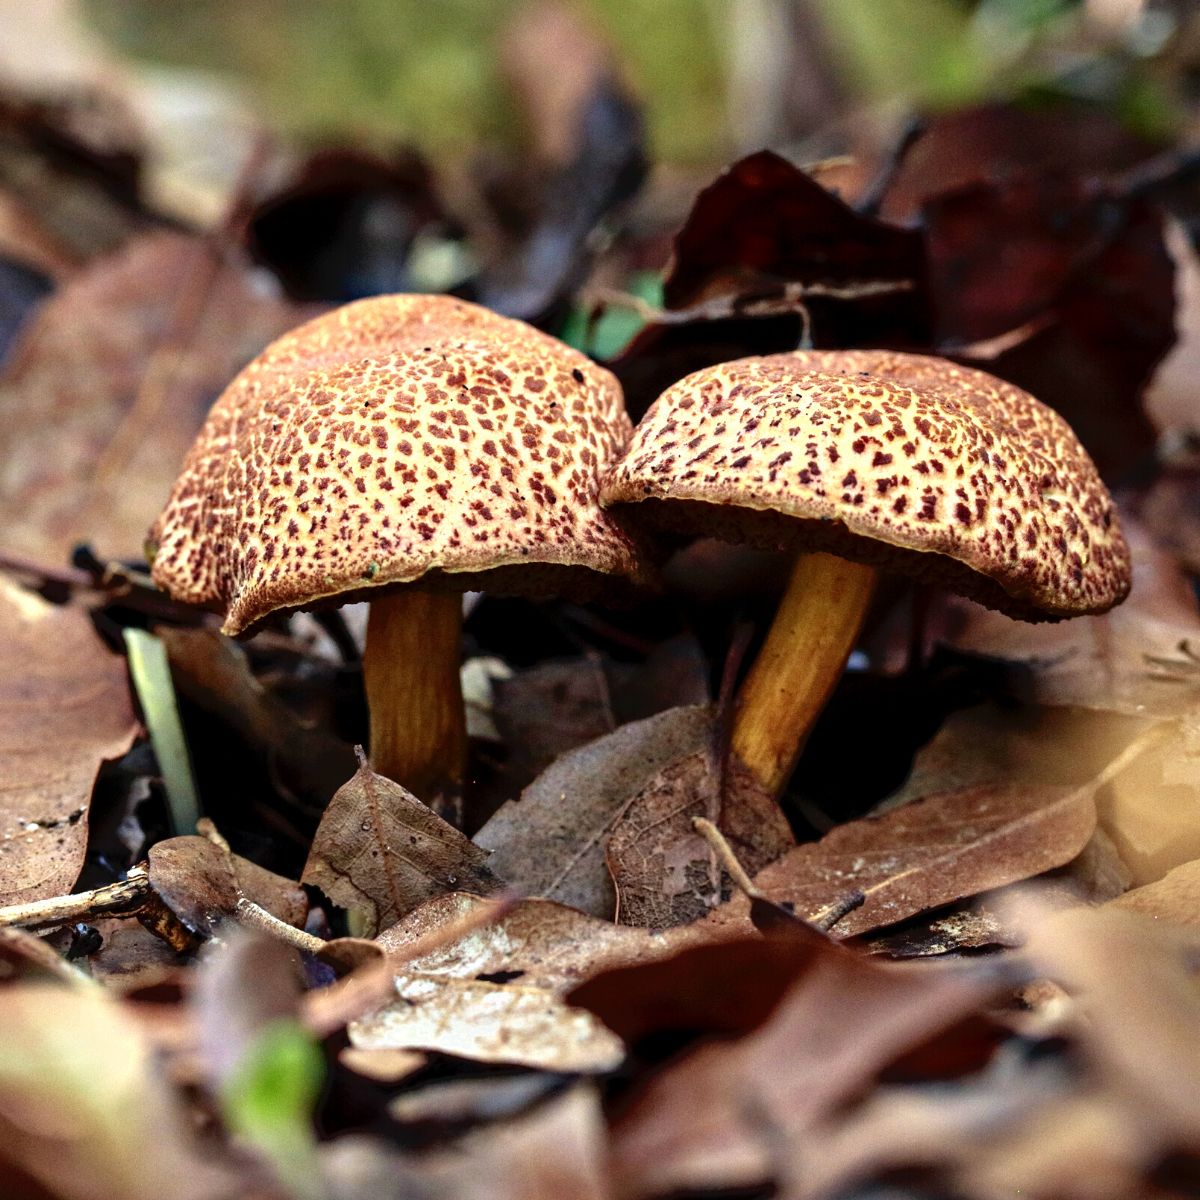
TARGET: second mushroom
(864,461)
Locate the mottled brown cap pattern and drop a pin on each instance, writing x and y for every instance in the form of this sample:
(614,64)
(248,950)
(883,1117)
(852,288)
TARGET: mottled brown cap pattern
(396,439)
(908,462)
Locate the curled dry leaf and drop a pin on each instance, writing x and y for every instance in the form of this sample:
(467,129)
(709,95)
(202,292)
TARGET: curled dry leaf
(380,850)
(663,870)
(64,709)
(202,883)
(550,843)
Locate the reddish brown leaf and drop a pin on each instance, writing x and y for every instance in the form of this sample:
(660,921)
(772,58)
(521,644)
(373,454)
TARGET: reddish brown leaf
(64,709)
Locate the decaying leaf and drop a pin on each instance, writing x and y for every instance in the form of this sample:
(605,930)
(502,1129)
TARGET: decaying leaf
(64,709)
(202,883)
(550,843)
(380,850)
(663,870)
(1173,899)
(212,671)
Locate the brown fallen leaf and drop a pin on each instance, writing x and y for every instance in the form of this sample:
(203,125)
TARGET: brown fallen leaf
(64,709)
(929,852)
(202,883)
(495,995)
(378,849)
(550,842)
(662,869)
(107,387)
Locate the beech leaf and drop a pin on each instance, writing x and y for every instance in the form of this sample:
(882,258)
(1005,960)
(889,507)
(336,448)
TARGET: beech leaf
(379,849)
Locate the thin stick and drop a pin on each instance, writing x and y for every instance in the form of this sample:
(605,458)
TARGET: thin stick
(716,839)
(120,899)
(256,917)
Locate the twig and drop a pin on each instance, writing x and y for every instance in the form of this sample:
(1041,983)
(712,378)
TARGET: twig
(120,899)
(734,869)
(826,918)
(256,917)
(876,191)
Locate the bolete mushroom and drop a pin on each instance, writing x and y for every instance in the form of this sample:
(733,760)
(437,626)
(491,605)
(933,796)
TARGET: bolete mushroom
(865,461)
(402,449)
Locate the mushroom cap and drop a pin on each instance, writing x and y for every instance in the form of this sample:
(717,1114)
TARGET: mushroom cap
(904,461)
(396,439)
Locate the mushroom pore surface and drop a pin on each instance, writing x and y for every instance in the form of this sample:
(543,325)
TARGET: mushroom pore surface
(901,461)
(397,439)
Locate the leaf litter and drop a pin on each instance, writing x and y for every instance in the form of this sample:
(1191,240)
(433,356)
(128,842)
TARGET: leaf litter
(585,998)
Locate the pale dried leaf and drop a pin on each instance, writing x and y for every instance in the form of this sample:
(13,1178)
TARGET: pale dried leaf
(496,994)
(380,850)
(64,709)
(550,843)
(664,871)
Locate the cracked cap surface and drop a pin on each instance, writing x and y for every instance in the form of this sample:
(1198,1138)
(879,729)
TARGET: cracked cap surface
(395,439)
(904,461)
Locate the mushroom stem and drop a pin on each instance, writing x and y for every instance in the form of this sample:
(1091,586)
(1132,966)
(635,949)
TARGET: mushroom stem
(410,668)
(800,663)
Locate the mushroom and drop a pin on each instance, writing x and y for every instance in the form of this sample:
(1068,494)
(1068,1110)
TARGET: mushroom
(402,449)
(864,461)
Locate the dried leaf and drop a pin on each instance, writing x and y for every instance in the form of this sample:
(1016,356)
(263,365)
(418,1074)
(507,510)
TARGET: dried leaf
(202,882)
(64,709)
(103,395)
(663,870)
(212,671)
(550,843)
(931,851)
(379,849)
(556,1150)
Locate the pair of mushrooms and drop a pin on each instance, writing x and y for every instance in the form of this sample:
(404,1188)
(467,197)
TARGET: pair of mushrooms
(405,449)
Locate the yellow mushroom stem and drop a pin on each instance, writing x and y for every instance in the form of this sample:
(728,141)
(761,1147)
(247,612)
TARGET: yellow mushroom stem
(800,663)
(410,668)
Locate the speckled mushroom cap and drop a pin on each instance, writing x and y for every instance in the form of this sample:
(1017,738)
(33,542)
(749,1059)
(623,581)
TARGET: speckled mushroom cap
(907,462)
(397,439)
